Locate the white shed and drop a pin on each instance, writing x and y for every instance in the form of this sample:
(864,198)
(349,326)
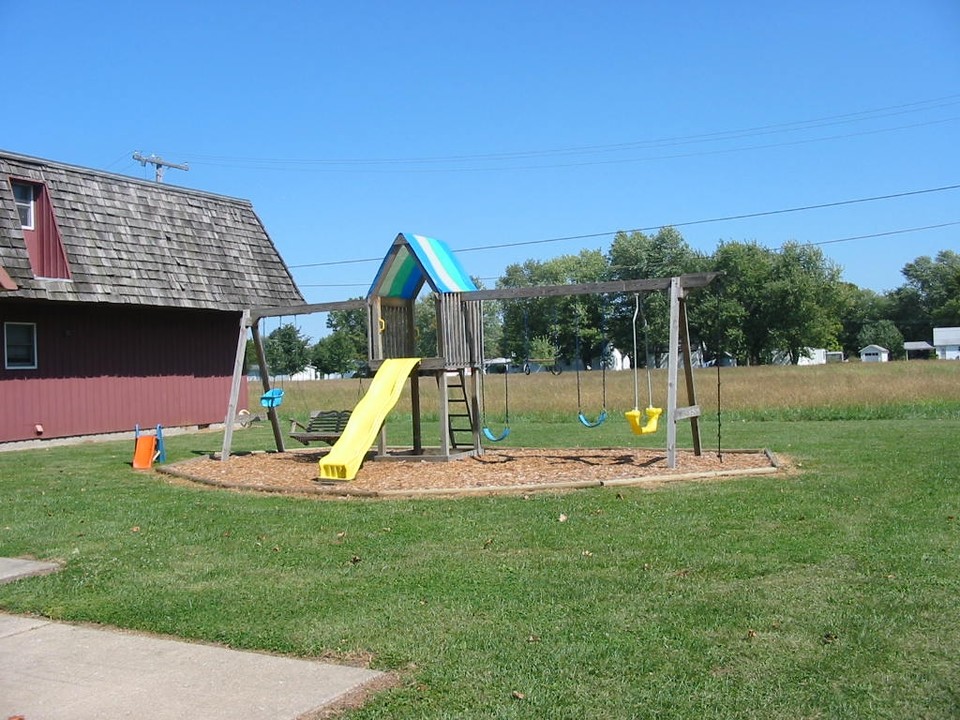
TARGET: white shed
(947,342)
(874,353)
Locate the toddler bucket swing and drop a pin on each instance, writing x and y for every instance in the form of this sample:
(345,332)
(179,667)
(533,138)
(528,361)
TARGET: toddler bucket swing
(642,423)
(273,398)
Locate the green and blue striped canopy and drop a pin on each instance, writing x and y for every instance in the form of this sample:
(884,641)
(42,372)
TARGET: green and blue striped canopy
(414,260)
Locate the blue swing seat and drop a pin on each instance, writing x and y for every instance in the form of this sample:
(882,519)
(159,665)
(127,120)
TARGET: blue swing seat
(586,422)
(272,398)
(488,434)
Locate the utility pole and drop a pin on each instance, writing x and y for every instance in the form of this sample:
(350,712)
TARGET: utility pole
(159,163)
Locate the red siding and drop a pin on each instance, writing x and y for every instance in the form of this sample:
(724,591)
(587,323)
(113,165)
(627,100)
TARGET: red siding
(104,369)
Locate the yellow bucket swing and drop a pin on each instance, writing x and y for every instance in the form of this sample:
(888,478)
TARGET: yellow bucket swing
(645,422)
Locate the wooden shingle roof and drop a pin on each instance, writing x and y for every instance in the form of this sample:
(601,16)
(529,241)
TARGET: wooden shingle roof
(129,241)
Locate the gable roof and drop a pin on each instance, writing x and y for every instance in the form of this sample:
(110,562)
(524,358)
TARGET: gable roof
(414,260)
(130,241)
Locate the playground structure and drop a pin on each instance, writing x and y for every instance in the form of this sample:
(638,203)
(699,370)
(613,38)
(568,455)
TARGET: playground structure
(412,262)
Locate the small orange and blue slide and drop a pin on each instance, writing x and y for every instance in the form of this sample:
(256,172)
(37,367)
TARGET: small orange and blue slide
(344,459)
(148,448)
(145,452)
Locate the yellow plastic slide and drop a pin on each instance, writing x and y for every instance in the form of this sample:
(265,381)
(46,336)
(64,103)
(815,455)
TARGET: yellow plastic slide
(343,460)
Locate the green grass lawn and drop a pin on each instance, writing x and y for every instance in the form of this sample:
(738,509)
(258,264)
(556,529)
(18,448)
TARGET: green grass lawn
(831,591)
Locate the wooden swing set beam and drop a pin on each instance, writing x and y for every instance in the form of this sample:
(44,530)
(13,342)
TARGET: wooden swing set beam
(267,311)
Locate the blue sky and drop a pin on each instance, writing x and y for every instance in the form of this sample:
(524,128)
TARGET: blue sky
(511,122)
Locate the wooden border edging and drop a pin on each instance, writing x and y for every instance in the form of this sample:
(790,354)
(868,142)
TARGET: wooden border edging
(343,490)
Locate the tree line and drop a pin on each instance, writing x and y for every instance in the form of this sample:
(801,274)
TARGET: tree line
(765,305)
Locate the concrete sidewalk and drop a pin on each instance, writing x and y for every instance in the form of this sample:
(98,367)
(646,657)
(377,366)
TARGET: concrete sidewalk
(57,671)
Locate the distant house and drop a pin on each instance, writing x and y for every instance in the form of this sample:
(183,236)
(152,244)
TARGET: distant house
(121,300)
(874,353)
(947,342)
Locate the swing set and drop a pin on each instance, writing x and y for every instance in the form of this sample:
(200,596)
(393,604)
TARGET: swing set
(460,348)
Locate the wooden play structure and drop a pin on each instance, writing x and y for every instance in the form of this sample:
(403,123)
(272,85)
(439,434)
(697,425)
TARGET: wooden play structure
(412,262)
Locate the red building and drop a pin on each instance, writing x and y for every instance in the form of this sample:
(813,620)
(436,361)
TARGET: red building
(121,300)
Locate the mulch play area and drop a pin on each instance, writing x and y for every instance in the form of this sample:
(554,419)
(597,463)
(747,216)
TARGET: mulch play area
(516,470)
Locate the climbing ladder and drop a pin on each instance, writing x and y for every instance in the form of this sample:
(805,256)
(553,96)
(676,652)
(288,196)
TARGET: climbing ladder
(461,427)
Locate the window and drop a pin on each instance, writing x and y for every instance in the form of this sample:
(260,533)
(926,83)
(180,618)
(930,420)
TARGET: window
(24,197)
(20,345)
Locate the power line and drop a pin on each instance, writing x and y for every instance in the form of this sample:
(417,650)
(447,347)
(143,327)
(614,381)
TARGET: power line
(688,223)
(901,231)
(670,141)
(330,263)
(725,218)
(333,285)
(396,166)
(884,234)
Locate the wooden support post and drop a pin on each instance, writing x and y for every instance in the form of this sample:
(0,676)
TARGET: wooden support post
(693,408)
(672,364)
(415,411)
(374,333)
(231,417)
(680,342)
(265,379)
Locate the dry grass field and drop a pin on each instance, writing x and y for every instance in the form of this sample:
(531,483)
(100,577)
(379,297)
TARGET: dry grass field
(742,389)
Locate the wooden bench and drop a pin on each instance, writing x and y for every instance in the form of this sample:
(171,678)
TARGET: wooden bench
(324,426)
